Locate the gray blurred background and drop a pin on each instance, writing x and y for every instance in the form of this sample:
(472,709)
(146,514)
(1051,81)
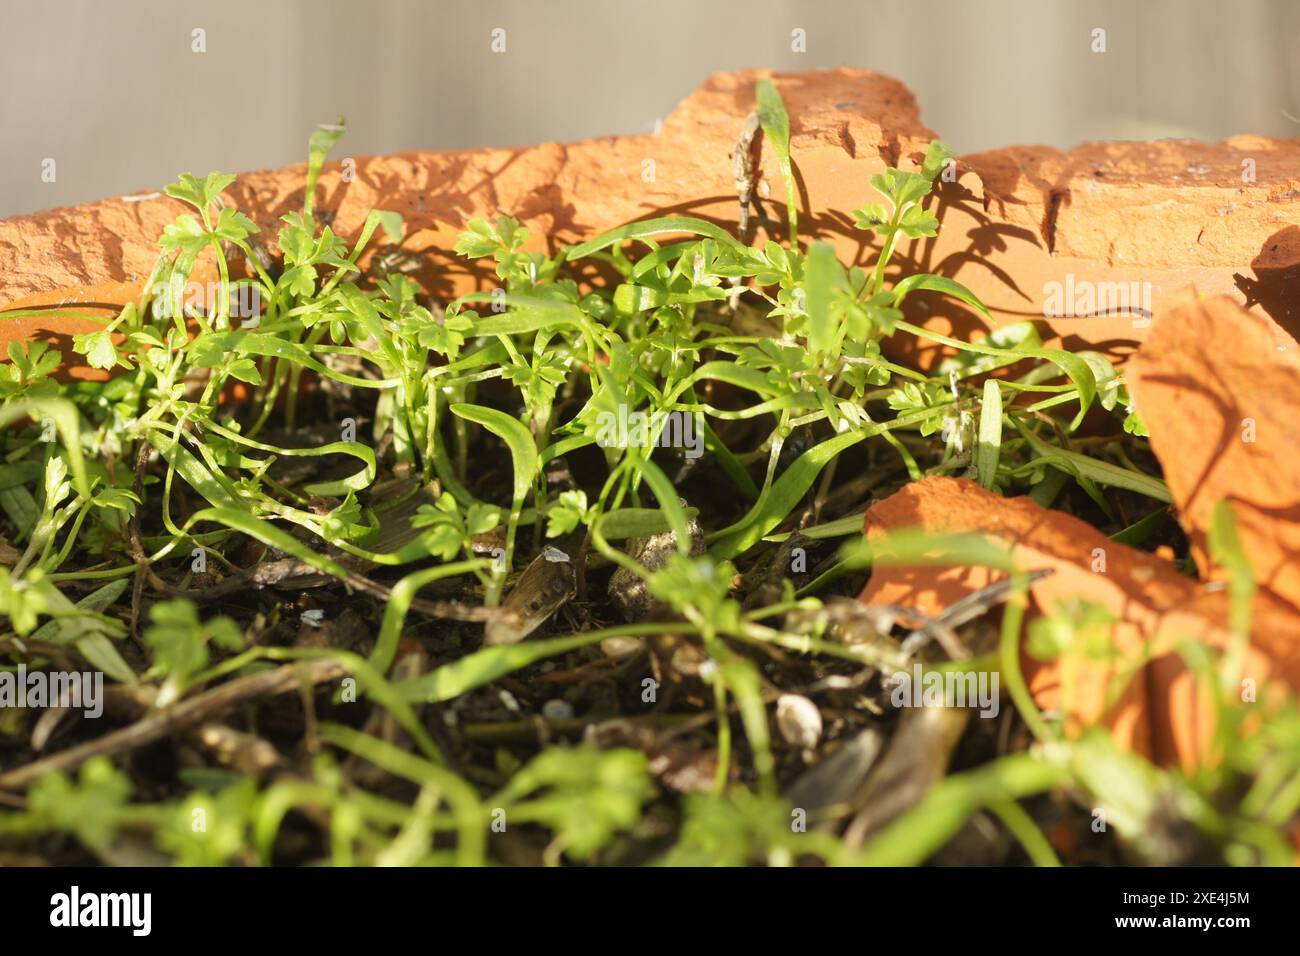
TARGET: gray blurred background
(113,92)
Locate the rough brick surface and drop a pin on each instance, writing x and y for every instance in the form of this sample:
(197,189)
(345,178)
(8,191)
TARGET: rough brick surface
(1219,390)
(1167,214)
(1161,712)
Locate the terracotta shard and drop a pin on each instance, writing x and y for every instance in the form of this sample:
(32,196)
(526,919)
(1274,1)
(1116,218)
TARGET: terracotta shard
(1160,712)
(562,192)
(1168,204)
(1113,228)
(1219,390)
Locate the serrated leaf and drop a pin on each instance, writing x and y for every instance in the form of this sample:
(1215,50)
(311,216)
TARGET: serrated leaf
(872,217)
(97,347)
(246,371)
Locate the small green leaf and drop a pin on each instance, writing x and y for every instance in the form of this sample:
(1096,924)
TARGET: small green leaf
(481,518)
(638,298)
(97,347)
(1133,424)
(899,187)
(92,808)
(392,224)
(916,222)
(872,218)
(635,523)
(566,514)
(100,653)
(477,241)
(199,193)
(246,371)
(233,226)
(936,158)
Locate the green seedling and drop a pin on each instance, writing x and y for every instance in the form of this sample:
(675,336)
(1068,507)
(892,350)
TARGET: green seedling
(224,439)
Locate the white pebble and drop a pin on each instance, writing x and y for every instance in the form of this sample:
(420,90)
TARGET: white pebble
(557,710)
(620,647)
(799,720)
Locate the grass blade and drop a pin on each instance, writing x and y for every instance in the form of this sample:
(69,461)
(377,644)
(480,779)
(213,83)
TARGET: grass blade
(1075,368)
(668,503)
(68,422)
(523,450)
(782,497)
(989,446)
(819,279)
(269,534)
(399,602)
(1090,469)
(486,665)
(323,139)
(654,227)
(941,284)
(517,438)
(776,127)
(527,314)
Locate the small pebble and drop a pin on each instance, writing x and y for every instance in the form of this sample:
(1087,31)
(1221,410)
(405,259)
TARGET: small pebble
(313,617)
(620,647)
(557,710)
(799,720)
